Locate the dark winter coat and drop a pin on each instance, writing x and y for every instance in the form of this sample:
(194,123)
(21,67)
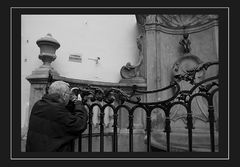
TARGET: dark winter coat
(52,127)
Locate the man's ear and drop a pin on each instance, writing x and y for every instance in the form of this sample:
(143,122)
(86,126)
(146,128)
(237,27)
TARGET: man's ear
(62,98)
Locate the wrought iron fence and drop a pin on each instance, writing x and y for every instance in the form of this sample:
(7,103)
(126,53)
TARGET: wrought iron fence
(91,96)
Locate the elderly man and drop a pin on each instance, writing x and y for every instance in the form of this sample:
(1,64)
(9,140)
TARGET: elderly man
(53,125)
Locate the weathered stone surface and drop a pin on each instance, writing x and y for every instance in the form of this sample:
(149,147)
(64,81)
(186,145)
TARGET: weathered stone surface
(162,51)
(130,71)
(177,24)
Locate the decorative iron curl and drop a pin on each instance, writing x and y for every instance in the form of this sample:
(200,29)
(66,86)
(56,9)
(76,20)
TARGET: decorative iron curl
(172,85)
(183,96)
(113,94)
(205,88)
(190,76)
(92,93)
(97,94)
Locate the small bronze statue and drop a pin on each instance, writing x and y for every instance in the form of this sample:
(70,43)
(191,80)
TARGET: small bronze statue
(185,42)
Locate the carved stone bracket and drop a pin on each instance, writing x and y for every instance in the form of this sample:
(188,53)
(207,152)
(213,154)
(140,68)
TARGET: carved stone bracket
(130,71)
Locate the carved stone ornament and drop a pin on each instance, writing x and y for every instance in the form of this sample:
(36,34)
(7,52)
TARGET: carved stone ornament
(48,46)
(185,65)
(183,69)
(130,71)
(178,24)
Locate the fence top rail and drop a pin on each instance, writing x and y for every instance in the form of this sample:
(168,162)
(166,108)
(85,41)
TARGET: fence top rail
(85,83)
(122,92)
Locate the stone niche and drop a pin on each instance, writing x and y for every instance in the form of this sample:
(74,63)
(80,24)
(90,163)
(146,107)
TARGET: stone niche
(161,50)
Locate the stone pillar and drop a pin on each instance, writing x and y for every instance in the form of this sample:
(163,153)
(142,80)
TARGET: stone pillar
(151,56)
(154,57)
(39,77)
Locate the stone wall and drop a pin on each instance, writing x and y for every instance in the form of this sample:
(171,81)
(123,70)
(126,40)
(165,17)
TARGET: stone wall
(162,50)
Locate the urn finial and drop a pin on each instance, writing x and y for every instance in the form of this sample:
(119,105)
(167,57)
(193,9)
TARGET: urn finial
(48,46)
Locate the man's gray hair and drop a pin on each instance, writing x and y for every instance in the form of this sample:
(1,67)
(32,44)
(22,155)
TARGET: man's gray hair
(59,87)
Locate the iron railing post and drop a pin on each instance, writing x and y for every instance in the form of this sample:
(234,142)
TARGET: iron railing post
(211,124)
(130,127)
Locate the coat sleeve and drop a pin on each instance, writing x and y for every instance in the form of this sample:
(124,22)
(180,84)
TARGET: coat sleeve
(74,122)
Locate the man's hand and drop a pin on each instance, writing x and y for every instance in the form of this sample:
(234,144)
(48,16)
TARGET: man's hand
(75,96)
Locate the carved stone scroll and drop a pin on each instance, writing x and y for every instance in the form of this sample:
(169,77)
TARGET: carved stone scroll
(130,71)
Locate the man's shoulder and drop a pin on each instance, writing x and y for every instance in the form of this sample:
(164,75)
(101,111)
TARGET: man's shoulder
(48,106)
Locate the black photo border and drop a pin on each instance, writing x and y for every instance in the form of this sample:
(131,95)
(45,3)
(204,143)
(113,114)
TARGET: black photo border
(15,87)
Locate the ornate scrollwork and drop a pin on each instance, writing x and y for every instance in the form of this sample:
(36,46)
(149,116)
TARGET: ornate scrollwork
(116,94)
(98,94)
(130,71)
(179,24)
(183,96)
(180,21)
(186,69)
(207,87)
(194,86)
(110,95)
